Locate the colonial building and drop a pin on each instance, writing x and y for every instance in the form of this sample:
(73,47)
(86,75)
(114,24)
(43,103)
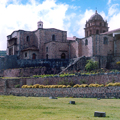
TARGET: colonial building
(52,43)
(40,44)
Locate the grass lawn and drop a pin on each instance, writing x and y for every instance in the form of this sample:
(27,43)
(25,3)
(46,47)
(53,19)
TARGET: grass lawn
(43,108)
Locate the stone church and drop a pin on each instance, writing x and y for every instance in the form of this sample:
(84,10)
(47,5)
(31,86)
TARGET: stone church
(98,43)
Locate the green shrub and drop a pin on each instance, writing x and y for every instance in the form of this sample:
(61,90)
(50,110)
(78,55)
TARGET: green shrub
(17,86)
(91,65)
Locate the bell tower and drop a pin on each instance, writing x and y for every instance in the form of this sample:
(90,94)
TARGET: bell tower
(40,24)
(95,25)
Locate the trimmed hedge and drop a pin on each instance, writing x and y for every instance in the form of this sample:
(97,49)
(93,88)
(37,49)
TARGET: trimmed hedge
(68,86)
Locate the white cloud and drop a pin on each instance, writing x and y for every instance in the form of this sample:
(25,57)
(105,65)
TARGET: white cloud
(114,21)
(82,20)
(109,1)
(16,16)
(113,9)
(114,16)
(74,7)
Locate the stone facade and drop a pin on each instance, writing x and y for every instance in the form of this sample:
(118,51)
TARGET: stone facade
(99,43)
(39,44)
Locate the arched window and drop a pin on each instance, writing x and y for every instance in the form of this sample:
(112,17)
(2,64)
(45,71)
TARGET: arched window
(105,41)
(63,56)
(100,24)
(97,31)
(33,56)
(25,54)
(53,37)
(27,38)
(86,42)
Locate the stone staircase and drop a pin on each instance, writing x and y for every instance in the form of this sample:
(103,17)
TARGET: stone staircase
(75,64)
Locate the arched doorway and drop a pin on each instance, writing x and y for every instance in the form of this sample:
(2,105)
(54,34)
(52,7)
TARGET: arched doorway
(63,56)
(33,56)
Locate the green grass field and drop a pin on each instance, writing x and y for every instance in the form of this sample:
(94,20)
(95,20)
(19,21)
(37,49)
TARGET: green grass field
(43,108)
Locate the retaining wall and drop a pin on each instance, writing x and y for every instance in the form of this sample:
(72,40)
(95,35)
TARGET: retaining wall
(27,72)
(11,61)
(100,92)
(83,79)
(99,79)
(8,86)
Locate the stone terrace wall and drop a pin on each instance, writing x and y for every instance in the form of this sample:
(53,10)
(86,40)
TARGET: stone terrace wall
(11,61)
(101,92)
(100,79)
(7,87)
(1,73)
(27,72)
(2,86)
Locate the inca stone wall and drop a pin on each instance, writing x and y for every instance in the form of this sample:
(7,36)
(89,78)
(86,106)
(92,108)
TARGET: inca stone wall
(7,87)
(99,92)
(12,61)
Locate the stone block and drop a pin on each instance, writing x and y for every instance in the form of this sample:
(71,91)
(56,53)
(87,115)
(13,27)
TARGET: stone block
(52,97)
(98,98)
(99,114)
(72,102)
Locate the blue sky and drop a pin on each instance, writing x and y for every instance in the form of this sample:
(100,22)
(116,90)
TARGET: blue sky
(68,15)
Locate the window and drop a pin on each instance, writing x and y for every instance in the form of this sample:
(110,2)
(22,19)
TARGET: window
(27,38)
(33,56)
(25,54)
(53,37)
(97,31)
(86,42)
(103,31)
(104,24)
(63,56)
(100,24)
(10,51)
(105,41)
(46,49)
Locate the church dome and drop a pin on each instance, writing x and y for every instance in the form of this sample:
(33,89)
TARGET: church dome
(96,16)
